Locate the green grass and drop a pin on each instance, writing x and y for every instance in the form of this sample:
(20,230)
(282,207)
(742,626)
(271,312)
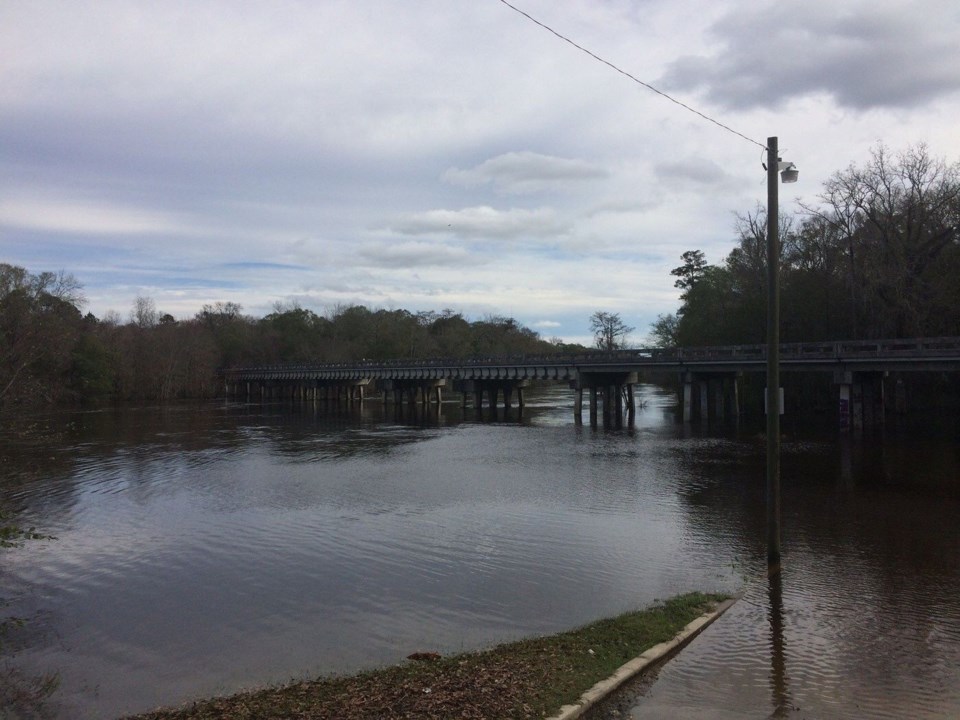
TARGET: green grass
(530,678)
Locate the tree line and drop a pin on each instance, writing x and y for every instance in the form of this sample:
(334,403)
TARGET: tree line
(876,255)
(51,352)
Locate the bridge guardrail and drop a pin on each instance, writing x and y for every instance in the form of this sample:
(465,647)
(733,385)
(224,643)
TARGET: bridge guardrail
(837,350)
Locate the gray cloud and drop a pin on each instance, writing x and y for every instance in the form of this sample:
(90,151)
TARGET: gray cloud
(482,222)
(693,171)
(414,254)
(863,55)
(525,172)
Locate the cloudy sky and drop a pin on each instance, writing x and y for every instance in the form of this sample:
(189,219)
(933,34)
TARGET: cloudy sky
(431,154)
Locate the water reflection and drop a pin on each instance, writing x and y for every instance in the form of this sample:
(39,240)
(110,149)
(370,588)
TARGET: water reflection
(205,548)
(780,696)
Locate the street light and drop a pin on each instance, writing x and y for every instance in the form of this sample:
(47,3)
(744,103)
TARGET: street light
(788,173)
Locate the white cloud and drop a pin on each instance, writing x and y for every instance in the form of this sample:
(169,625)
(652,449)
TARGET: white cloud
(482,222)
(405,254)
(527,172)
(85,218)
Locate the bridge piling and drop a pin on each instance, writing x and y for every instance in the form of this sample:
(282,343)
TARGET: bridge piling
(708,384)
(718,398)
(686,399)
(862,402)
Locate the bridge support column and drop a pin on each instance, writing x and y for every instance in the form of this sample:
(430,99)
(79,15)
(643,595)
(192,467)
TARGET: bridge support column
(686,401)
(507,397)
(856,410)
(875,401)
(900,397)
(616,388)
(718,399)
(861,400)
(735,397)
(578,404)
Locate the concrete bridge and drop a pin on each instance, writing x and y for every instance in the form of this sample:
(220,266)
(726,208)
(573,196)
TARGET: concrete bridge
(709,376)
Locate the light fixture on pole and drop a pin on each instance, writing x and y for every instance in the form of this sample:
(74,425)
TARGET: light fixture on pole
(788,173)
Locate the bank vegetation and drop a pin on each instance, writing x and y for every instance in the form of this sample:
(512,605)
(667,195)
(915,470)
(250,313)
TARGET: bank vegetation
(530,678)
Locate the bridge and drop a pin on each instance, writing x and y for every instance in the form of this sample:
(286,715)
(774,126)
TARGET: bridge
(709,376)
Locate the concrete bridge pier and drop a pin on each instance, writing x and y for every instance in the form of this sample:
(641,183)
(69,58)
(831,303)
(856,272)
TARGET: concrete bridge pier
(612,388)
(424,391)
(706,396)
(862,401)
(703,395)
(492,388)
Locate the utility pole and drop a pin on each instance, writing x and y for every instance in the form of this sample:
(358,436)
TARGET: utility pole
(773,357)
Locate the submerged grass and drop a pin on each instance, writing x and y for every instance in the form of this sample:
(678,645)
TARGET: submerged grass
(529,678)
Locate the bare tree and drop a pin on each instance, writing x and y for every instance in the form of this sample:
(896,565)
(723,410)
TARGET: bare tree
(609,330)
(897,216)
(144,313)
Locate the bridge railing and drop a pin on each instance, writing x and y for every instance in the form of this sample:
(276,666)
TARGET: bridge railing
(844,349)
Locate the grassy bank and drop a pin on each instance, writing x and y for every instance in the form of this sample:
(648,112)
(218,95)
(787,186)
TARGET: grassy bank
(525,679)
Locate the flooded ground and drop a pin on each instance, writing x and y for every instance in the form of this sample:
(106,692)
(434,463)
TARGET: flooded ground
(206,548)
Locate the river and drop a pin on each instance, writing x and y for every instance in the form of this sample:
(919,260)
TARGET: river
(204,548)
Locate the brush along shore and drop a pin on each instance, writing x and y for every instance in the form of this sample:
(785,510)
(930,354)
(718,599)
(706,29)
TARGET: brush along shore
(529,678)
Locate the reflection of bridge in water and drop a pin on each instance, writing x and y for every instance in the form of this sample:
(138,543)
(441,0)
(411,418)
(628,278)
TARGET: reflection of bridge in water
(709,376)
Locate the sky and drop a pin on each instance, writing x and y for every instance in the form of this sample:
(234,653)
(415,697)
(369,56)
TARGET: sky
(435,154)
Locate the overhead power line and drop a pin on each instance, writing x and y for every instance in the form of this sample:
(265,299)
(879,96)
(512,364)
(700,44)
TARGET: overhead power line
(630,76)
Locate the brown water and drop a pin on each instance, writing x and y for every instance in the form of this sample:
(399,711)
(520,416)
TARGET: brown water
(205,548)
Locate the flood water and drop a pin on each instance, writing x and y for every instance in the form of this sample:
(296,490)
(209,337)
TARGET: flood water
(201,549)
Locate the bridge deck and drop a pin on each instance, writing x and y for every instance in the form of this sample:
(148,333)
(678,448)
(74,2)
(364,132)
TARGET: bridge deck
(919,355)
